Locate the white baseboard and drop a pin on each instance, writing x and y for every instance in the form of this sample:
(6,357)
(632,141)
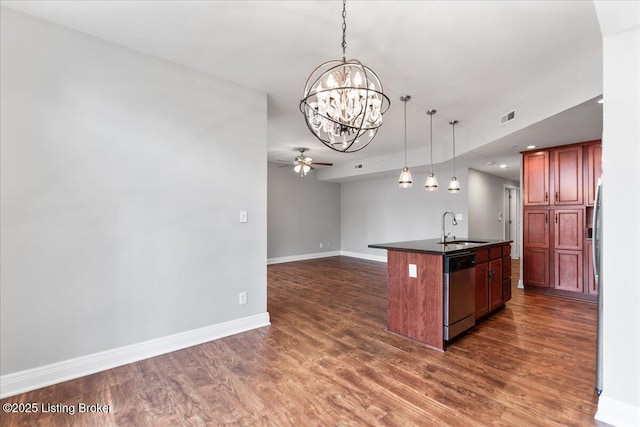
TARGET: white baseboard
(20,382)
(302,257)
(617,413)
(379,258)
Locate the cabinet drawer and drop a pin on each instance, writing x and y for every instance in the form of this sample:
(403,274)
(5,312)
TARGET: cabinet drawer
(506,250)
(482,255)
(495,252)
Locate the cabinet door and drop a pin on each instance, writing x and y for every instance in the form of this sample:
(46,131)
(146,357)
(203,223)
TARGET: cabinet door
(589,276)
(568,229)
(568,270)
(536,178)
(495,283)
(567,176)
(536,267)
(594,171)
(482,290)
(536,228)
(506,290)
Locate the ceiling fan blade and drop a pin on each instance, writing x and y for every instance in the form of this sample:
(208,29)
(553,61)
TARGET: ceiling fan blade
(322,164)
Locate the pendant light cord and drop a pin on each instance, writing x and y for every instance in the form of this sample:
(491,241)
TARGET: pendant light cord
(431,147)
(344,30)
(454,149)
(405,132)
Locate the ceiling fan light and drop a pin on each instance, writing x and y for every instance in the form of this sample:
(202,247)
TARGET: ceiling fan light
(406,180)
(432,182)
(297,168)
(306,168)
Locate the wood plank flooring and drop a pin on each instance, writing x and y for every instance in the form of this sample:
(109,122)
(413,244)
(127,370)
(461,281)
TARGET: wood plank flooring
(327,360)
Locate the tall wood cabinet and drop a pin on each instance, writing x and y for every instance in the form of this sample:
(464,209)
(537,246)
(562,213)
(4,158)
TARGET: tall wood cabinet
(559,188)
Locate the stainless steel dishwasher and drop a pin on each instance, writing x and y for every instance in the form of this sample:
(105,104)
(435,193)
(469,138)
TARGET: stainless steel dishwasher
(459,293)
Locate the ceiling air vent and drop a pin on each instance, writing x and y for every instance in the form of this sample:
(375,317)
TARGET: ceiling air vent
(511,115)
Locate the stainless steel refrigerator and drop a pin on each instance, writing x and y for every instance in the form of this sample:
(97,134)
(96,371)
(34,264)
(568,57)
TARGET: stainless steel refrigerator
(597,270)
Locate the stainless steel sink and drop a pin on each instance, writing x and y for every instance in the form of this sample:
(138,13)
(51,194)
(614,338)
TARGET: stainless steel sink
(463,242)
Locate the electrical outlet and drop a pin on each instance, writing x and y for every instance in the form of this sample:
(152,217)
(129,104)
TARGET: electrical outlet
(413,270)
(244,216)
(321,245)
(242,298)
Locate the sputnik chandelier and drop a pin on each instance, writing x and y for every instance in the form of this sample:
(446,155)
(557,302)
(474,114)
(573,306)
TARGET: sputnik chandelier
(343,101)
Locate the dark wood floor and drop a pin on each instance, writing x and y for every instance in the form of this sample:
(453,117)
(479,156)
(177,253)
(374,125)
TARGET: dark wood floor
(327,360)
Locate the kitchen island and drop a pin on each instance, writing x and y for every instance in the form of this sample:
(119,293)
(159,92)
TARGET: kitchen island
(418,296)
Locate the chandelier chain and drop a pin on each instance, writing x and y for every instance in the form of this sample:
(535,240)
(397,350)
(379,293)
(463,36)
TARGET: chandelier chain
(344,30)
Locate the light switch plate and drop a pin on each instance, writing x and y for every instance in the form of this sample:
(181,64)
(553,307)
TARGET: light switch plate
(244,216)
(413,270)
(459,217)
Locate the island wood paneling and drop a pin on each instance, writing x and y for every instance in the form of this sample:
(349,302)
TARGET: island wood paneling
(415,303)
(328,360)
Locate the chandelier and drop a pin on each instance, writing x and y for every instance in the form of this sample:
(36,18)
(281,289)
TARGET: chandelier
(343,101)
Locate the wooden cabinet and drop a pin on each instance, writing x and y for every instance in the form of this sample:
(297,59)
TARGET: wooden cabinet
(495,283)
(568,229)
(568,270)
(594,171)
(567,176)
(536,178)
(491,277)
(506,273)
(482,289)
(536,247)
(555,233)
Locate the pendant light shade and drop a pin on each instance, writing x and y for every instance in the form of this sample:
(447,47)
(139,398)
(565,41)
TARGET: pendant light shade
(405,181)
(432,182)
(454,184)
(343,102)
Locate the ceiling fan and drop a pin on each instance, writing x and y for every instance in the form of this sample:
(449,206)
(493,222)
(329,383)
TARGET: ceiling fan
(303,164)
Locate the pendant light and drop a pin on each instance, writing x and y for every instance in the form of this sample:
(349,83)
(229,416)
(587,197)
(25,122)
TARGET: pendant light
(343,101)
(454,184)
(405,181)
(432,183)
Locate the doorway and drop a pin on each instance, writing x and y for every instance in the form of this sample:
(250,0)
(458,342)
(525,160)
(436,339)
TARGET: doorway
(511,230)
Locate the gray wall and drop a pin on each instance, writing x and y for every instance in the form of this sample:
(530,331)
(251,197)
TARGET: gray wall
(619,403)
(377,211)
(121,196)
(486,201)
(302,213)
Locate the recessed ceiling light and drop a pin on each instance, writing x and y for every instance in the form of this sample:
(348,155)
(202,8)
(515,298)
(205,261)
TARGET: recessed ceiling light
(491,162)
(530,147)
(503,166)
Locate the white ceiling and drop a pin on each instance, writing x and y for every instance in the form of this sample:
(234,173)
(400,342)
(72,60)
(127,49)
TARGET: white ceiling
(462,58)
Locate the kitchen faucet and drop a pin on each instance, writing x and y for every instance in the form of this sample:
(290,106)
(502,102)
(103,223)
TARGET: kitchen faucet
(443,237)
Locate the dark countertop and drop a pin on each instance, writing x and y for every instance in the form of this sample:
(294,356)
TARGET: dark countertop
(431,246)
